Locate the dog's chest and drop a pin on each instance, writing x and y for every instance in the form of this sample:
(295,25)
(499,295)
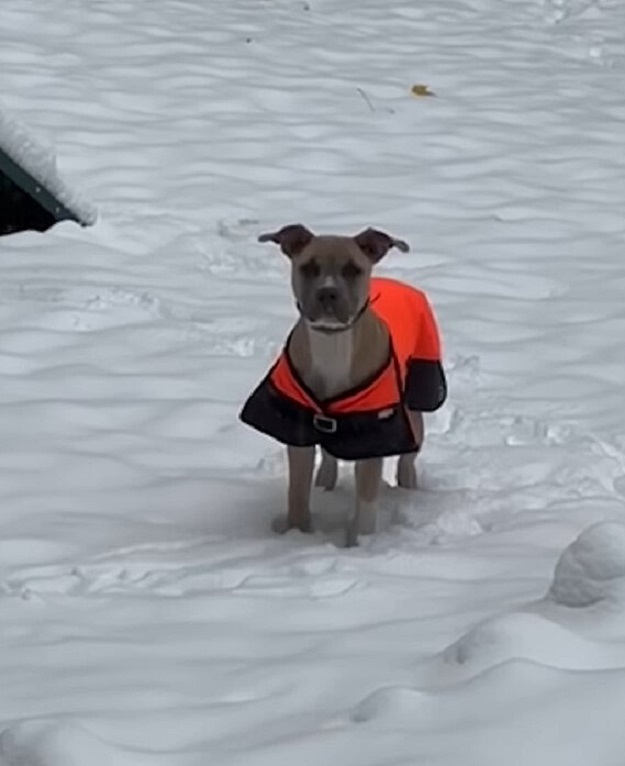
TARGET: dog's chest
(330,368)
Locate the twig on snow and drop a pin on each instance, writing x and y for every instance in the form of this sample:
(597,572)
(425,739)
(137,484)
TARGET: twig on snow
(366,99)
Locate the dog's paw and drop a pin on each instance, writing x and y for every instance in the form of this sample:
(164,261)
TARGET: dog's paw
(366,519)
(282,524)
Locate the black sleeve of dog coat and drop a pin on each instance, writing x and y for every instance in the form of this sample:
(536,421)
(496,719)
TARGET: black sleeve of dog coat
(273,415)
(426,386)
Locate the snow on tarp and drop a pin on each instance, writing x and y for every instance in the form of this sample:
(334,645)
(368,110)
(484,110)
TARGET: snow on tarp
(39,161)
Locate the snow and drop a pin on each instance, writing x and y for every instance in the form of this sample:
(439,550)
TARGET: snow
(149,615)
(592,568)
(39,160)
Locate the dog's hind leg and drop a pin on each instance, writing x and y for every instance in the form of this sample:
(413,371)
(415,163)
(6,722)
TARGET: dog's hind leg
(406,470)
(328,472)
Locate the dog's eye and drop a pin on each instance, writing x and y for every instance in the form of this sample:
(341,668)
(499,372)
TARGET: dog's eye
(351,270)
(310,269)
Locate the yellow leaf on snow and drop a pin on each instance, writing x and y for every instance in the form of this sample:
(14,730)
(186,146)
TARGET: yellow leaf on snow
(421,90)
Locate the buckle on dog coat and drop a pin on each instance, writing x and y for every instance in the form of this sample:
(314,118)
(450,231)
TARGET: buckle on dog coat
(325,424)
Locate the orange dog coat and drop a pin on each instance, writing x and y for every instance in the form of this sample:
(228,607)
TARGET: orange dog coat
(370,420)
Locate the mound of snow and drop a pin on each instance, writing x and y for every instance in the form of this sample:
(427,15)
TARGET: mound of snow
(591,569)
(393,705)
(525,636)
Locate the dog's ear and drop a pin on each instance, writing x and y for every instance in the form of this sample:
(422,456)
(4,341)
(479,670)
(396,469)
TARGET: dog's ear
(292,239)
(376,244)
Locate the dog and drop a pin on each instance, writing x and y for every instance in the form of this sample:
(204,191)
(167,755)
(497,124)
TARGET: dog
(360,366)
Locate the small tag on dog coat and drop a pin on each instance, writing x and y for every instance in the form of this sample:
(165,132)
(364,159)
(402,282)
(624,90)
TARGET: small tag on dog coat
(386,414)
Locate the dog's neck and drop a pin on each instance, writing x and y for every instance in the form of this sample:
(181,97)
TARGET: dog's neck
(333,363)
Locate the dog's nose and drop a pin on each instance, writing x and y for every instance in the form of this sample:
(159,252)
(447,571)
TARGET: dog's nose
(327,297)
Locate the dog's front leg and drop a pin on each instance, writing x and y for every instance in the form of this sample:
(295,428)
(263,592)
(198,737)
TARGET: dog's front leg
(363,519)
(301,463)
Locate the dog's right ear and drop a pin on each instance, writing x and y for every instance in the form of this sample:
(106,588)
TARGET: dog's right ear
(292,239)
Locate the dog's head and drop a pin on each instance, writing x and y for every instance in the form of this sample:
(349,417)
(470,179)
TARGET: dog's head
(330,274)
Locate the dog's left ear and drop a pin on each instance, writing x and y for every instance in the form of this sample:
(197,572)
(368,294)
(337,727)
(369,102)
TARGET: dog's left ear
(376,244)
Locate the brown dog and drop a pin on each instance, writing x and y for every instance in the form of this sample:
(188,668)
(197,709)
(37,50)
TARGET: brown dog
(358,369)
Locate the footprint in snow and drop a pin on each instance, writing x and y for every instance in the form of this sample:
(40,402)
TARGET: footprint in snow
(44,743)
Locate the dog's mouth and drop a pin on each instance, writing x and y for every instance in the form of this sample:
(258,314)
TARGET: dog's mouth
(325,318)
(331,323)
(328,325)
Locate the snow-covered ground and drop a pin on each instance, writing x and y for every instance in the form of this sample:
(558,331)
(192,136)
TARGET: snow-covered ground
(147,613)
